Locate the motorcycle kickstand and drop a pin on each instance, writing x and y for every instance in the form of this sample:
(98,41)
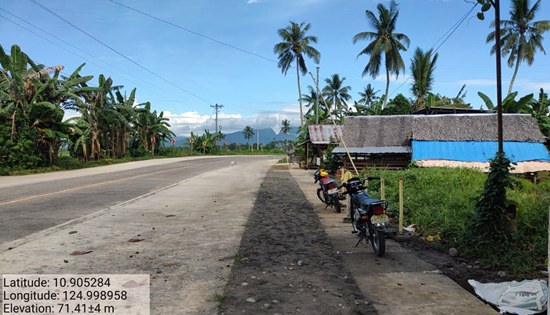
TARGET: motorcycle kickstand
(360,239)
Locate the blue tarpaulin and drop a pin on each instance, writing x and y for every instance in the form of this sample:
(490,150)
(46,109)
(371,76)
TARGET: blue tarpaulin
(478,151)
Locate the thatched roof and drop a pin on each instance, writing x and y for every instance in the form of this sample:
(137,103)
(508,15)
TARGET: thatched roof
(388,131)
(378,131)
(476,127)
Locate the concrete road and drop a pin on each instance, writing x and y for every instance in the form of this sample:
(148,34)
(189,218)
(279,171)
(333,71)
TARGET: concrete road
(188,214)
(29,204)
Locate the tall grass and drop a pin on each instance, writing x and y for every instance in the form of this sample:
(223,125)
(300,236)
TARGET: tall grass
(441,200)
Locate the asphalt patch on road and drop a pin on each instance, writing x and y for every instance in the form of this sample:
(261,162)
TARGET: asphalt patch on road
(285,263)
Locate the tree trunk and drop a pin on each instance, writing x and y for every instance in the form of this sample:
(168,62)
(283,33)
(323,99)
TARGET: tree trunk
(113,142)
(299,92)
(13,124)
(515,72)
(387,87)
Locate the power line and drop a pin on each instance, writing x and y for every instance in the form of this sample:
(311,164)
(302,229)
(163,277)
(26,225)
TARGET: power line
(69,44)
(193,32)
(449,32)
(114,50)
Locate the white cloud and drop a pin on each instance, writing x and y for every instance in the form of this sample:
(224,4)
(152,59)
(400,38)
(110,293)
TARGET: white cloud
(252,1)
(184,123)
(530,85)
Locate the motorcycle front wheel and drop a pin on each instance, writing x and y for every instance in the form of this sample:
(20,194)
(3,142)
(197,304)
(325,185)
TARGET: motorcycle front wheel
(377,240)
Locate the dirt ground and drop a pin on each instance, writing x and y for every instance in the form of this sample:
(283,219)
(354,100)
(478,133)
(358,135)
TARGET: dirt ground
(286,264)
(458,269)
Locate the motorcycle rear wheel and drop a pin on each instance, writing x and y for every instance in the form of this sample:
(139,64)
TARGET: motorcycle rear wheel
(337,205)
(377,240)
(320,195)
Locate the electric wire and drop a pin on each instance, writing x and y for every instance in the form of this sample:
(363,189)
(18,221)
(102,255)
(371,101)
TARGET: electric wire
(193,32)
(450,32)
(116,51)
(75,47)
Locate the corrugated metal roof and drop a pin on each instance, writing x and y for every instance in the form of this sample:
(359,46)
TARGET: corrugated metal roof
(374,150)
(325,134)
(477,151)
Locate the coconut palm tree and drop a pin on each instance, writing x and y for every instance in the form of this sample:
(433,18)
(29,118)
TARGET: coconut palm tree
(337,93)
(521,37)
(422,69)
(317,112)
(248,132)
(285,127)
(368,95)
(295,45)
(384,43)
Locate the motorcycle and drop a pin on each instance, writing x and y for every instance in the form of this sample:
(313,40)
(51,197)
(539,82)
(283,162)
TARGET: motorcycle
(328,192)
(368,216)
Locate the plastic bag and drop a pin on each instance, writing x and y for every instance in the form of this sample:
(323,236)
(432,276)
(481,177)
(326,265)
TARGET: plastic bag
(523,298)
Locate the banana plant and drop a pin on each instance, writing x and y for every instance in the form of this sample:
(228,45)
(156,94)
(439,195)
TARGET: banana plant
(509,104)
(540,109)
(19,87)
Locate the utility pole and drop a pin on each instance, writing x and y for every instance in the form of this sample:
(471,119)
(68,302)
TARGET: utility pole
(317,102)
(217,109)
(496,5)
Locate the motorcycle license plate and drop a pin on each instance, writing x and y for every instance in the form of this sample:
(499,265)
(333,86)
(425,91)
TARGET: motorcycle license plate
(332,191)
(380,219)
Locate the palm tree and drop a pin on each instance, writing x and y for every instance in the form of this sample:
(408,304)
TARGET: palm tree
(422,69)
(294,46)
(317,111)
(386,44)
(248,132)
(285,127)
(368,95)
(337,93)
(520,37)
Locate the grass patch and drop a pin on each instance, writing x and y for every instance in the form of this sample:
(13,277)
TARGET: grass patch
(239,257)
(440,201)
(218,298)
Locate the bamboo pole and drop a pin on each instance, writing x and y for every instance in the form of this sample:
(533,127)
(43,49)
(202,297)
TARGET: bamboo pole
(382,189)
(401,205)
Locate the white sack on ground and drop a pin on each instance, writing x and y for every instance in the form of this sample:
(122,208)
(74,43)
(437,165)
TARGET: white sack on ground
(523,298)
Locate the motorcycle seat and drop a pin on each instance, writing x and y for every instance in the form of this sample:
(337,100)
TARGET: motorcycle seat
(365,199)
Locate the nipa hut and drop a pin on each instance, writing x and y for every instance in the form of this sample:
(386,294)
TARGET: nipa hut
(458,140)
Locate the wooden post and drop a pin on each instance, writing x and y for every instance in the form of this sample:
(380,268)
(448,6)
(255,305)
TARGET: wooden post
(382,189)
(401,205)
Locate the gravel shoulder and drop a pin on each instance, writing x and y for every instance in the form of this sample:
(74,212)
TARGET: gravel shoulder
(286,263)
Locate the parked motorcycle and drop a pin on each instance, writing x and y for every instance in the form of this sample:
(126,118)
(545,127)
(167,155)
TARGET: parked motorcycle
(368,215)
(328,191)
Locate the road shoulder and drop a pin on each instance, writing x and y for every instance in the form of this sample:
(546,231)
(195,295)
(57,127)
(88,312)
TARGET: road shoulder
(397,283)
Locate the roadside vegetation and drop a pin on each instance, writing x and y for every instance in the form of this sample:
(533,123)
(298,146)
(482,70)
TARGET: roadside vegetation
(441,202)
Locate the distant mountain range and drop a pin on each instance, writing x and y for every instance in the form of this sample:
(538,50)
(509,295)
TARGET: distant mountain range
(266,136)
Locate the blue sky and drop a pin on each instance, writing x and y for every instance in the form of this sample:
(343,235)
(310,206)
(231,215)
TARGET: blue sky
(184,72)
